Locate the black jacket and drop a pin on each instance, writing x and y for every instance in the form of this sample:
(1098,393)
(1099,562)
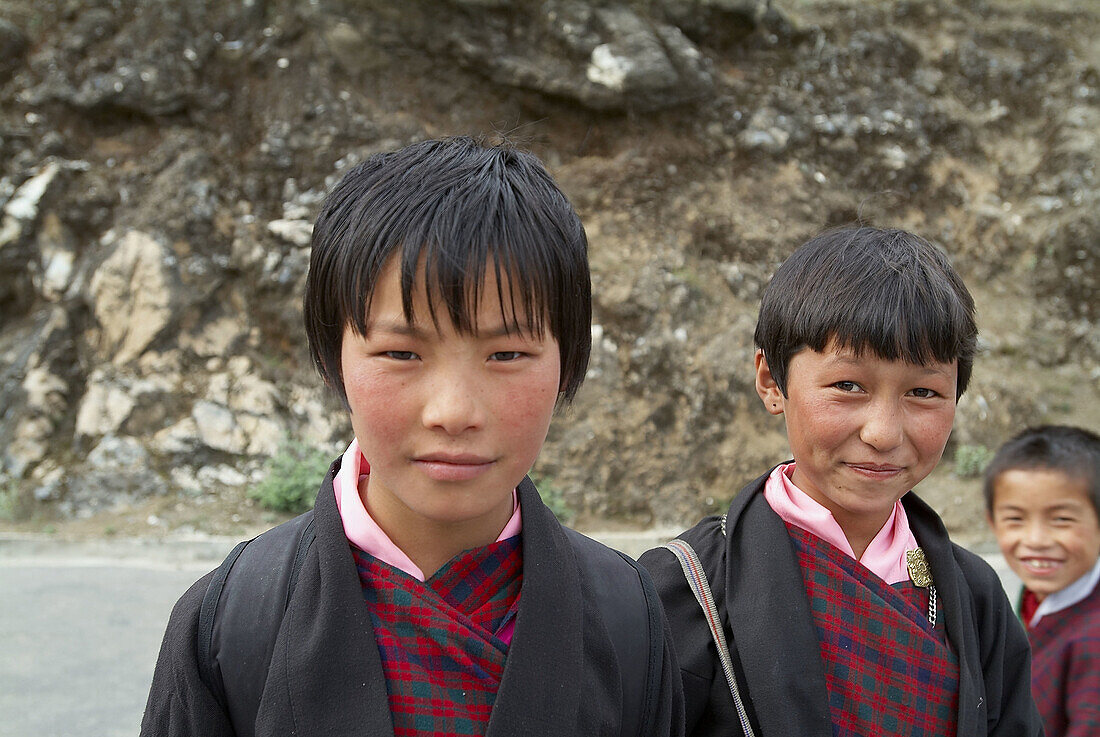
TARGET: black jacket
(325,678)
(775,647)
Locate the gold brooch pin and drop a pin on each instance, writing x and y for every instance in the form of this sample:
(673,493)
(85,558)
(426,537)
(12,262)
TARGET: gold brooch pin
(918,568)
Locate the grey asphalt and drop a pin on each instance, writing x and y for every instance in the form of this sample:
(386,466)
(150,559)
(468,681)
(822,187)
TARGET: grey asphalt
(81,624)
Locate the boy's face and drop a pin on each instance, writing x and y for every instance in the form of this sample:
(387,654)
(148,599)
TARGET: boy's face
(863,430)
(448,422)
(1046,526)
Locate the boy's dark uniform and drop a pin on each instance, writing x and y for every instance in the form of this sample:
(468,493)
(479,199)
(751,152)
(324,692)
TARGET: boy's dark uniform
(1066,672)
(561,675)
(775,647)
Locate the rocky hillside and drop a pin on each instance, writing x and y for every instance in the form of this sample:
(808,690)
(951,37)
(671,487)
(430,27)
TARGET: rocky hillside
(161,164)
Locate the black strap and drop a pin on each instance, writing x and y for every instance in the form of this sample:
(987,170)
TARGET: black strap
(308,536)
(245,622)
(206,620)
(654,608)
(631,612)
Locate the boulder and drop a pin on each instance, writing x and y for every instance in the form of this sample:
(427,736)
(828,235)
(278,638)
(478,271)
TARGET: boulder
(104,408)
(218,427)
(133,294)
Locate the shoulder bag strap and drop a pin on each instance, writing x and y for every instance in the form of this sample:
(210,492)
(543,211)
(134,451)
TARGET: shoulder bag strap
(246,675)
(631,611)
(697,582)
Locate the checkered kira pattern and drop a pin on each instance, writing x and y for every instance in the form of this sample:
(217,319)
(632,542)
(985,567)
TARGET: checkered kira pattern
(1065,669)
(438,640)
(887,670)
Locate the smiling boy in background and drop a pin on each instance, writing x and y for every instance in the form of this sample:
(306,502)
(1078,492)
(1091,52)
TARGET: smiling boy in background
(1042,494)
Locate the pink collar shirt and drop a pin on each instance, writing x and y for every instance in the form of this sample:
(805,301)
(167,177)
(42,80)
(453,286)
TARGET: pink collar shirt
(884,557)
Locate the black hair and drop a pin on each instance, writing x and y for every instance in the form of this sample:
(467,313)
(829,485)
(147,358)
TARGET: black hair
(871,289)
(1072,451)
(451,210)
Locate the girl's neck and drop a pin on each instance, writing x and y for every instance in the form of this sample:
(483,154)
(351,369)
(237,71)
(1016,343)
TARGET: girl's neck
(430,544)
(859,530)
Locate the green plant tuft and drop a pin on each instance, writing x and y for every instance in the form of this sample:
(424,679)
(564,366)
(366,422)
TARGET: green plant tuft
(553,498)
(971,460)
(9,497)
(291,478)
(15,504)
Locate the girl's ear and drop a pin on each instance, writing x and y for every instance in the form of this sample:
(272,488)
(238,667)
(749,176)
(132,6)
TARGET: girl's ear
(766,387)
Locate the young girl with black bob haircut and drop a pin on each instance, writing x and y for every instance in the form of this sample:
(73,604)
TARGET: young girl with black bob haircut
(844,609)
(430,591)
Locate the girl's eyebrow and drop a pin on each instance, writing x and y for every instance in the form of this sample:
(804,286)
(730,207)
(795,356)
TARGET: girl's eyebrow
(502,329)
(939,369)
(399,327)
(395,327)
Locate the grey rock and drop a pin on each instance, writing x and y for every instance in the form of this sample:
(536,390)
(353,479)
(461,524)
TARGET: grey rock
(115,453)
(130,88)
(218,427)
(57,252)
(606,57)
(131,65)
(483,4)
(22,209)
(221,429)
(118,472)
(35,378)
(296,232)
(91,26)
(215,477)
(18,258)
(13,46)
(711,17)
(766,131)
(179,438)
(106,405)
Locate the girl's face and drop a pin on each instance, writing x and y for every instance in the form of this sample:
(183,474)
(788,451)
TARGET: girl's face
(448,422)
(863,430)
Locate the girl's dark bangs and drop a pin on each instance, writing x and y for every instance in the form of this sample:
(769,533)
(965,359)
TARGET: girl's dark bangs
(454,273)
(896,325)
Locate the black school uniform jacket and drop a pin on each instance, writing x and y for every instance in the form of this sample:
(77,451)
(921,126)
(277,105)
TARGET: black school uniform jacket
(757,583)
(326,678)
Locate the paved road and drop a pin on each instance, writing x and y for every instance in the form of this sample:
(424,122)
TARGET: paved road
(80,626)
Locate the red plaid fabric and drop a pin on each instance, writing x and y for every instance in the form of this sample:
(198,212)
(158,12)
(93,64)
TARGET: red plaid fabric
(438,639)
(888,672)
(1065,669)
(1029,604)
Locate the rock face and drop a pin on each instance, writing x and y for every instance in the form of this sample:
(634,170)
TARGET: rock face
(133,294)
(161,165)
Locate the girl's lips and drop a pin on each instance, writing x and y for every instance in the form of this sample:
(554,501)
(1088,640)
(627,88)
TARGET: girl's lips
(453,468)
(874,470)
